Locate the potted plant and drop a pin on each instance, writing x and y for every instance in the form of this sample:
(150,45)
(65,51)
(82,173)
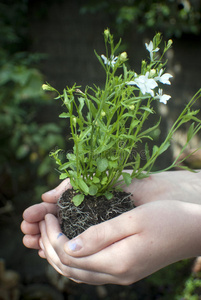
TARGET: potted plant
(107,125)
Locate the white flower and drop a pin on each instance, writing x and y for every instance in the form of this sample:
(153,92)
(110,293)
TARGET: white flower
(162,98)
(145,84)
(150,48)
(110,62)
(163,78)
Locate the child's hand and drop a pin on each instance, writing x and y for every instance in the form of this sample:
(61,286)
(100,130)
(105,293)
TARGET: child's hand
(35,214)
(127,248)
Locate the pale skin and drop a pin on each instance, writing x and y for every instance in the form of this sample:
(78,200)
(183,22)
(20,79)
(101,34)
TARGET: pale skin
(163,229)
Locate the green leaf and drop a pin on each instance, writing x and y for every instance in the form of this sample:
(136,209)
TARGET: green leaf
(95,179)
(83,186)
(147,109)
(81,100)
(147,152)
(134,123)
(71,157)
(102,164)
(85,132)
(127,178)
(113,164)
(150,129)
(64,115)
(154,150)
(53,153)
(164,147)
(113,158)
(100,59)
(117,45)
(137,164)
(190,132)
(108,195)
(78,199)
(104,147)
(93,189)
(63,176)
(65,166)
(104,180)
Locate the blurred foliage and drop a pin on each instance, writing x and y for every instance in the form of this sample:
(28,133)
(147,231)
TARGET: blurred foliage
(25,139)
(192,288)
(170,17)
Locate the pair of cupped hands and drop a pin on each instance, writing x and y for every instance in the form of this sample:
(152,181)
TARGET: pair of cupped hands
(165,227)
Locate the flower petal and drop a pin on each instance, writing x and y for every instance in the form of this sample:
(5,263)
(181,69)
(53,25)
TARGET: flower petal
(165,78)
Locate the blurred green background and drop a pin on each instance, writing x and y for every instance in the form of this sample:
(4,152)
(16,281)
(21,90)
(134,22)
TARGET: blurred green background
(54,41)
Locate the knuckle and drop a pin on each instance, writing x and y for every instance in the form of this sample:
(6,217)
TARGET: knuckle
(97,233)
(68,273)
(124,277)
(65,260)
(122,270)
(126,281)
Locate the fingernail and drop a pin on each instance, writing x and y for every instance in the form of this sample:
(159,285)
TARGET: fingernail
(75,244)
(50,192)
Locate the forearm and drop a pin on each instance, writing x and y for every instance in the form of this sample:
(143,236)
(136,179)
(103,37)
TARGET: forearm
(172,185)
(192,229)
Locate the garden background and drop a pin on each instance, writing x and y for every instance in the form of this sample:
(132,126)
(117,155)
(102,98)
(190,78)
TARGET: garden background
(54,41)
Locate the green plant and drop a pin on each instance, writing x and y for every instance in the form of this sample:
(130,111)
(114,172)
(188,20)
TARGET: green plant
(113,127)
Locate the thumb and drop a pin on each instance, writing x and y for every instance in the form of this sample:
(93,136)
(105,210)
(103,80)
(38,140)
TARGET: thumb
(53,195)
(100,236)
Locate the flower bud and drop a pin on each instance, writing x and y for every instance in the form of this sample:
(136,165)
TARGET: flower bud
(106,33)
(74,120)
(103,113)
(169,44)
(47,87)
(132,107)
(79,91)
(123,56)
(152,72)
(144,65)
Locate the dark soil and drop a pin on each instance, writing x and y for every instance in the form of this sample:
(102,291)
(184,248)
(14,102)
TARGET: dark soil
(74,220)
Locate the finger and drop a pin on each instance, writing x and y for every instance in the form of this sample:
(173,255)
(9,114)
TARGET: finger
(60,260)
(41,253)
(53,195)
(30,228)
(31,241)
(49,251)
(102,262)
(104,234)
(53,230)
(37,212)
(99,268)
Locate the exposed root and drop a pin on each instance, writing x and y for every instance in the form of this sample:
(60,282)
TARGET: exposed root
(74,220)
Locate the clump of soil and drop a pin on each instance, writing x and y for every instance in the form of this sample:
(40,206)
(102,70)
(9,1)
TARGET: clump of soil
(93,210)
